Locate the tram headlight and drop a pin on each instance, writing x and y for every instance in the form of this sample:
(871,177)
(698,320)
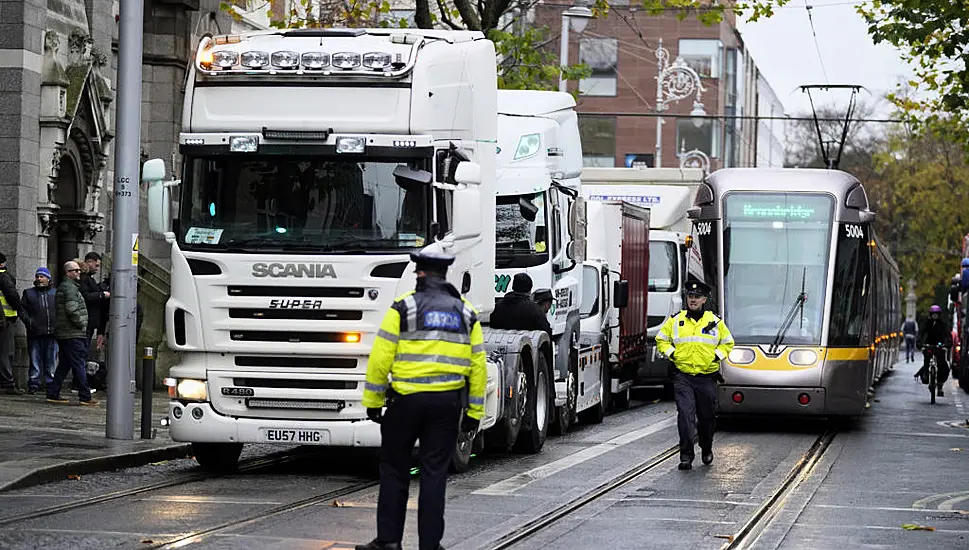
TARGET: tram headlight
(803,357)
(741,356)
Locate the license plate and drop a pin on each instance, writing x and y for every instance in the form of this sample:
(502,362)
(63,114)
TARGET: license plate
(303,437)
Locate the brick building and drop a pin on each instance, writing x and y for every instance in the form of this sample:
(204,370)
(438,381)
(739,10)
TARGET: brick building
(617,103)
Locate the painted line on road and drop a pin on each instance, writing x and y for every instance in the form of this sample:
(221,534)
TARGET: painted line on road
(946,500)
(875,527)
(885,508)
(205,500)
(686,500)
(516,482)
(918,434)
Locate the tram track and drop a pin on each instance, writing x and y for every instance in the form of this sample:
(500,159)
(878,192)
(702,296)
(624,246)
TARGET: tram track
(747,533)
(245,466)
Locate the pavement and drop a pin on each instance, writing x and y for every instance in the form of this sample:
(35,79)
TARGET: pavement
(42,442)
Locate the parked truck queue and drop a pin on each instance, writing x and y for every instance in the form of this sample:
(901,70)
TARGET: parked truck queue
(315,161)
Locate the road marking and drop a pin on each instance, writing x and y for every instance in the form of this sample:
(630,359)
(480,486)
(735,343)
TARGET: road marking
(947,501)
(917,434)
(884,508)
(205,500)
(516,482)
(687,500)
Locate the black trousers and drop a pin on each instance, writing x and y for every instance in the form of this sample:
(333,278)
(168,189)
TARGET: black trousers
(434,418)
(696,402)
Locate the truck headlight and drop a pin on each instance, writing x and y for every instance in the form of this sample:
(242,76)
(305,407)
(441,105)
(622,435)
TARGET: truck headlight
(243,144)
(528,145)
(187,389)
(348,144)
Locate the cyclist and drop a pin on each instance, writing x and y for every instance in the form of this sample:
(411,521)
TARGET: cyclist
(935,332)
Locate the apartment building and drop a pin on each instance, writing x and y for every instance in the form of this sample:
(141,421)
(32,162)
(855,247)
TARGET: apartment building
(618,101)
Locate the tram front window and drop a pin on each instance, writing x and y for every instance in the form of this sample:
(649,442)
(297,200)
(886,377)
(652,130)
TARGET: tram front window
(775,245)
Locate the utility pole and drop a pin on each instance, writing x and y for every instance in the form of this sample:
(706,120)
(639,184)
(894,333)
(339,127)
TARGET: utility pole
(124,245)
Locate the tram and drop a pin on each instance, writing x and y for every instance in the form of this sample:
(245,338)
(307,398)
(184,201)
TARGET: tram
(811,296)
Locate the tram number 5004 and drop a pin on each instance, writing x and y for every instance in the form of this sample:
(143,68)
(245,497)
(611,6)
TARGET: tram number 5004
(854,231)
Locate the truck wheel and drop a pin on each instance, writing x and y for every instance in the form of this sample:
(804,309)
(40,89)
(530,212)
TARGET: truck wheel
(461,460)
(534,427)
(565,415)
(596,414)
(217,457)
(501,437)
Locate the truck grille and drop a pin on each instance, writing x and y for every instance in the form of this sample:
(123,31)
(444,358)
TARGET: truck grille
(300,404)
(297,291)
(295,362)
(286,336)
(307,314)
(298,383)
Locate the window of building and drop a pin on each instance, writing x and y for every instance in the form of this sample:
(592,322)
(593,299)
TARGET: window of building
(702,55)
(704,137)
(598,135)
(602,56)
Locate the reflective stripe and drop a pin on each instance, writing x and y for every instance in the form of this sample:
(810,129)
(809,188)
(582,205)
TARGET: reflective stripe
(669,353)
(477,348)
(431,379)
(427,358)
(695,339)
(376,388)
(411,304)
(476,400)
(439,335)
(387,336)
(662,336)
(720,354)
(727,340)
(467,316)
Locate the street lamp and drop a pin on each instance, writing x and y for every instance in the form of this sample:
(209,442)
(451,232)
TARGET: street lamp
(578,17)
(674,82)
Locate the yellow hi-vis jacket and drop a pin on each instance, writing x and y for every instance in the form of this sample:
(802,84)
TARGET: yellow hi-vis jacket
(699,346)
(429,340)
(7,307)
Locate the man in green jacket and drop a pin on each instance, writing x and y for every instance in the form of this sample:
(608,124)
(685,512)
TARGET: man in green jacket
(71,332)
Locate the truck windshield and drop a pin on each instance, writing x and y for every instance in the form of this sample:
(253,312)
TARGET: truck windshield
(663,266)
(308,204)
(521,242)
(774,243)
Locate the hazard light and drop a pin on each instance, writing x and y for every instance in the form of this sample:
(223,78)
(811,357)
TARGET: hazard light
(737,397)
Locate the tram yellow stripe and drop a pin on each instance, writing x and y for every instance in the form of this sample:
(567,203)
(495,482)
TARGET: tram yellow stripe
(847,354)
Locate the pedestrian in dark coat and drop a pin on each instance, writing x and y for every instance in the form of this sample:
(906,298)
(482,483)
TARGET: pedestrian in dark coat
(39,314)
(517,311)
(9,308)
(71,332)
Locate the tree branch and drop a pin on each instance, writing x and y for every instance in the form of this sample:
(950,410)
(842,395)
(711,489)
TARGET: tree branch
(422,14)
(468,14)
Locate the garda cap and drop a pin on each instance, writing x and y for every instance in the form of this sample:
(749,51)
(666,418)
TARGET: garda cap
(427,260)
(697,288)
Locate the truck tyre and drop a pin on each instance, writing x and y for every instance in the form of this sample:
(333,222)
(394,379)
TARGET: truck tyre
(596,414)
(501,437)
(217,457)
(461,460)
(538,410)
(565,415)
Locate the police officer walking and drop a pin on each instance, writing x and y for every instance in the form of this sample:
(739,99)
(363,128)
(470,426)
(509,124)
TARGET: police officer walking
(431,347)
(696,341)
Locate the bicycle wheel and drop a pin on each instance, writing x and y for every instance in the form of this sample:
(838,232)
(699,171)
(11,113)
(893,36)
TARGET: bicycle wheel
(932,371)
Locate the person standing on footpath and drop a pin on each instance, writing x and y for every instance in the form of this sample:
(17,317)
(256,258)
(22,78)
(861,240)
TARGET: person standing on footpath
(96,298)
(10,304)
(71,331)
(40,316)
(431,347)
(696,341)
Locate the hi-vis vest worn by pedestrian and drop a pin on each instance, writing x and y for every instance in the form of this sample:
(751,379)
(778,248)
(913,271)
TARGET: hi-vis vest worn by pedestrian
(428,341)
(699,345)
(8,310)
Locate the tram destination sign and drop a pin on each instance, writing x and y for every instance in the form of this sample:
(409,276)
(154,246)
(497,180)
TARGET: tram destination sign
(782,208)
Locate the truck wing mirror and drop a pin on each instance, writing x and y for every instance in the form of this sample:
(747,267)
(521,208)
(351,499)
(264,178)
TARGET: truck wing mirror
(159,196)
(528,210)
(620,294)
(407,177)
(468,173)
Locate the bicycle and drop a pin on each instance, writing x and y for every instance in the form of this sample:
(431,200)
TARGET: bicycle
(931,377)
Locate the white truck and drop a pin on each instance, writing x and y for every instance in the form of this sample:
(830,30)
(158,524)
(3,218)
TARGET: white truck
(615,297)
(540,230)
(313,162)
(668,193)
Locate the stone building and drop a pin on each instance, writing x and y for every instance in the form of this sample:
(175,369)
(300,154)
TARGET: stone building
(58,82)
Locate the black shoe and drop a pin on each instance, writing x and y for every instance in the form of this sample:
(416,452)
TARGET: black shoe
(940,393)
(685,465)
(376,544)
(707,457)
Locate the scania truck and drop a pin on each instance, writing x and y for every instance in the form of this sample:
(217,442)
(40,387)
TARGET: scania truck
(313,162)
(668,193)
(541,231)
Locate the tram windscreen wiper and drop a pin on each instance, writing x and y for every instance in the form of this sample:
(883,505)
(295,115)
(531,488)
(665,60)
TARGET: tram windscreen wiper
(796,309)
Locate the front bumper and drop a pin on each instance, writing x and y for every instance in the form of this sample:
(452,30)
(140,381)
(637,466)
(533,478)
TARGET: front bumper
(199,422)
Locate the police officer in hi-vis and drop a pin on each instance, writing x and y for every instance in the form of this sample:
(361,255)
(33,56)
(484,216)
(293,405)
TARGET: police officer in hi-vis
(696,341)
(429,346)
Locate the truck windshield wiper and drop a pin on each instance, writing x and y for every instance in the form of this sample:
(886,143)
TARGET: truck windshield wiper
(797,308)
(358,242)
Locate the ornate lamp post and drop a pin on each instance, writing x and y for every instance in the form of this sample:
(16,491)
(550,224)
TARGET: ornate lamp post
(577,17)
(674,82)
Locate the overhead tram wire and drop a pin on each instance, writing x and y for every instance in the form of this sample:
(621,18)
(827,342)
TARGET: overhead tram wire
(742,117)
(817,45)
